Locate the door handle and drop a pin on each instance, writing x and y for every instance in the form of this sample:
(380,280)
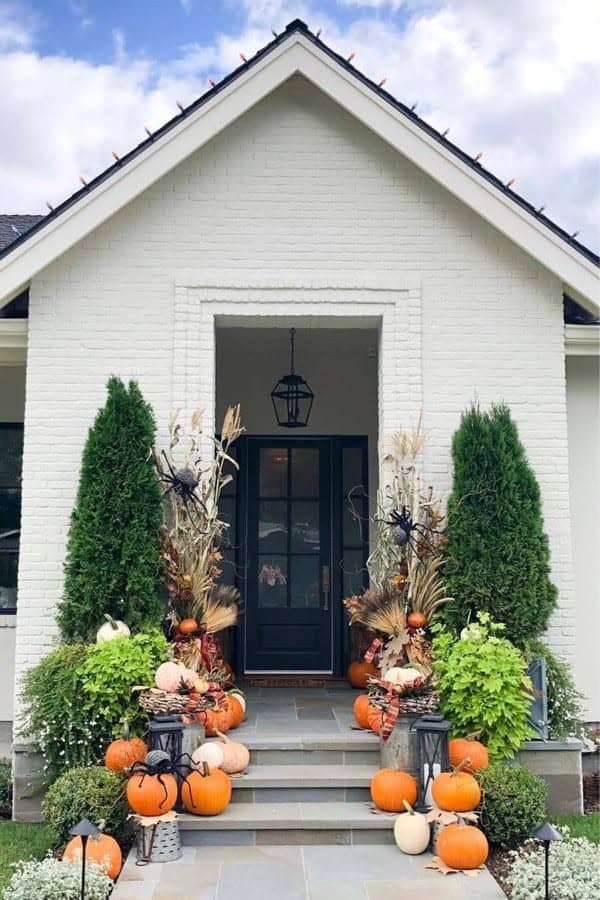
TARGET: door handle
(325,586)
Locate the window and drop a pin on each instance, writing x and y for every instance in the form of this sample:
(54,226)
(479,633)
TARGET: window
(11,454)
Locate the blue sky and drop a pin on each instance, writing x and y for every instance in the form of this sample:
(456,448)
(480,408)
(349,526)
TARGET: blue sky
(515,79)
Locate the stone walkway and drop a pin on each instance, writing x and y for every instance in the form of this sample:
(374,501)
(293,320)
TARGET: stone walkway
(299,873)
(317,849)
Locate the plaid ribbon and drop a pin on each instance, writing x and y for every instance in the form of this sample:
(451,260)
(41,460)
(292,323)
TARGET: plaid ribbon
(373,650)
(390,713)
(212,652)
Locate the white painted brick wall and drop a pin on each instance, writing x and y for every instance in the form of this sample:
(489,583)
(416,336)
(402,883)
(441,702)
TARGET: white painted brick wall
(295,186)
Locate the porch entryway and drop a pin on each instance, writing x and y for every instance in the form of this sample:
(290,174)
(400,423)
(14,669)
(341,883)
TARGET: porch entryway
(300,824)
(299,505)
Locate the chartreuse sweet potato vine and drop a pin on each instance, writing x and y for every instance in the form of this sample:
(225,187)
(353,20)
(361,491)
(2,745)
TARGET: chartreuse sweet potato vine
(483,685)
(78,696)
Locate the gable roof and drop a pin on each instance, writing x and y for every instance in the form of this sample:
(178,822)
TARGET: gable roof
(14,227)
(298,50)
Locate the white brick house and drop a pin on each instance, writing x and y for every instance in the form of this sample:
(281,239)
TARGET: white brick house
(298,194)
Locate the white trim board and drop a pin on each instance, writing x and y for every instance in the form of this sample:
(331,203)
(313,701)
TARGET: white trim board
(299,55)
(582,340)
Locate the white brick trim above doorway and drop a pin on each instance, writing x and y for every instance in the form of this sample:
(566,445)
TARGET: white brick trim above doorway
(204,300)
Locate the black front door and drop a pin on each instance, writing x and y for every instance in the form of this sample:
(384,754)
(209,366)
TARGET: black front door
(288,621)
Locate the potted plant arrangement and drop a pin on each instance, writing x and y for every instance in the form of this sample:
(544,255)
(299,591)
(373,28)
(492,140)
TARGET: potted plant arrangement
(406,590)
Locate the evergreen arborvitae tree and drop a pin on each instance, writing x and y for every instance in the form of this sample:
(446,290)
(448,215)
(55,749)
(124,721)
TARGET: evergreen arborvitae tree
(497,557)
(113,557)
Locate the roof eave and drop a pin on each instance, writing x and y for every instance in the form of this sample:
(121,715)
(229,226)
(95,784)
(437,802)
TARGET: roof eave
(297,51)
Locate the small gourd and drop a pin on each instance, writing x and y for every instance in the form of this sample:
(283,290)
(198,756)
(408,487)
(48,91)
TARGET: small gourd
(211,753)
(112,628)
(411,831)
(236,757)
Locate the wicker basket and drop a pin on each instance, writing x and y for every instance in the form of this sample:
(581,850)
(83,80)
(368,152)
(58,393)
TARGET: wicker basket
(158,703)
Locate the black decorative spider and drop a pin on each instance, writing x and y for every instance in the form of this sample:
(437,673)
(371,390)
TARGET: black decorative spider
(158,763)
(404,529)
(184,484)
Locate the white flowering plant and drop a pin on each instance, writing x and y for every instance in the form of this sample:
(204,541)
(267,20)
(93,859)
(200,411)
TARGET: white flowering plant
(574,870)
(49,879)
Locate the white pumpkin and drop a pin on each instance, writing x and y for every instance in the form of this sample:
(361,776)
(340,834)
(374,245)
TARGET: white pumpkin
(112,628)
(399,675)
(240,698)
(411,831)
(211,753)
(169,675)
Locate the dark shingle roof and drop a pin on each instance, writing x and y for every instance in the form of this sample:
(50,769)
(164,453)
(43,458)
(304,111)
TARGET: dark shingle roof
(299,26)
(13,227)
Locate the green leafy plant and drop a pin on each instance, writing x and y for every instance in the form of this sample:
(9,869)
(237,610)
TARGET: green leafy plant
(574,870)
(54,711)
(5,790)
(108,674)
(77,698)
(497,558)
(113,553)
(565,710)
(50,879)
(483,686)
(93,793)
(513,803)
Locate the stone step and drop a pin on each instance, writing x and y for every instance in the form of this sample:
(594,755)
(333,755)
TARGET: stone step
(289,823)
(353,748)
(303,784)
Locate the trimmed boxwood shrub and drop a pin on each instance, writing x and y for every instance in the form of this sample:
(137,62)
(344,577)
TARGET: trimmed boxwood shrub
(5,790)
(513,803)
(94,793)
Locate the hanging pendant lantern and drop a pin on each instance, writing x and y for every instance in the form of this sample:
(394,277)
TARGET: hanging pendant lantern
(292,397)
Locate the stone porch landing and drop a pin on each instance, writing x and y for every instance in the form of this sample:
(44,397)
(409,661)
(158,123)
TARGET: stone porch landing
(300,825)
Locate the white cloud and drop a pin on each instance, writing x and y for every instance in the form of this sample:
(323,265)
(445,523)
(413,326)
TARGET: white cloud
(517,81)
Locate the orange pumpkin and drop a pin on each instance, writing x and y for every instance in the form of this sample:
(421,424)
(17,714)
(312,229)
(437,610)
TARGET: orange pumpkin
(124,752)
(236,710)
(188,626)
(147,796)
(361,710)
(455,791)
(206,793)
(374,719)
(358,671)
(390,789)
(218,719)
(472,753)
(100,849)
(462,846)
(416,620)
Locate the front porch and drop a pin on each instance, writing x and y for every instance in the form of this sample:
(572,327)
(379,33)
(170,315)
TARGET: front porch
(301,824)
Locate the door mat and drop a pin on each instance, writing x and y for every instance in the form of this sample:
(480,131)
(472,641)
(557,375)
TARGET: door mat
(293,681)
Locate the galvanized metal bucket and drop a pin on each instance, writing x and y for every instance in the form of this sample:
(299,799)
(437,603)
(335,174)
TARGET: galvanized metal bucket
(400,749)
(158,843)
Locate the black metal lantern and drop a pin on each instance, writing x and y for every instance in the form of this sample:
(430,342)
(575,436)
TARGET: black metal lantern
(166,733)
(432,753)
(292,397)
(547,834)
(84,830)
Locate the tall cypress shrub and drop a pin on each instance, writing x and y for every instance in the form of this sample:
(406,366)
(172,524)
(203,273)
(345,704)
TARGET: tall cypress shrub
(497,556)
(113,563)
